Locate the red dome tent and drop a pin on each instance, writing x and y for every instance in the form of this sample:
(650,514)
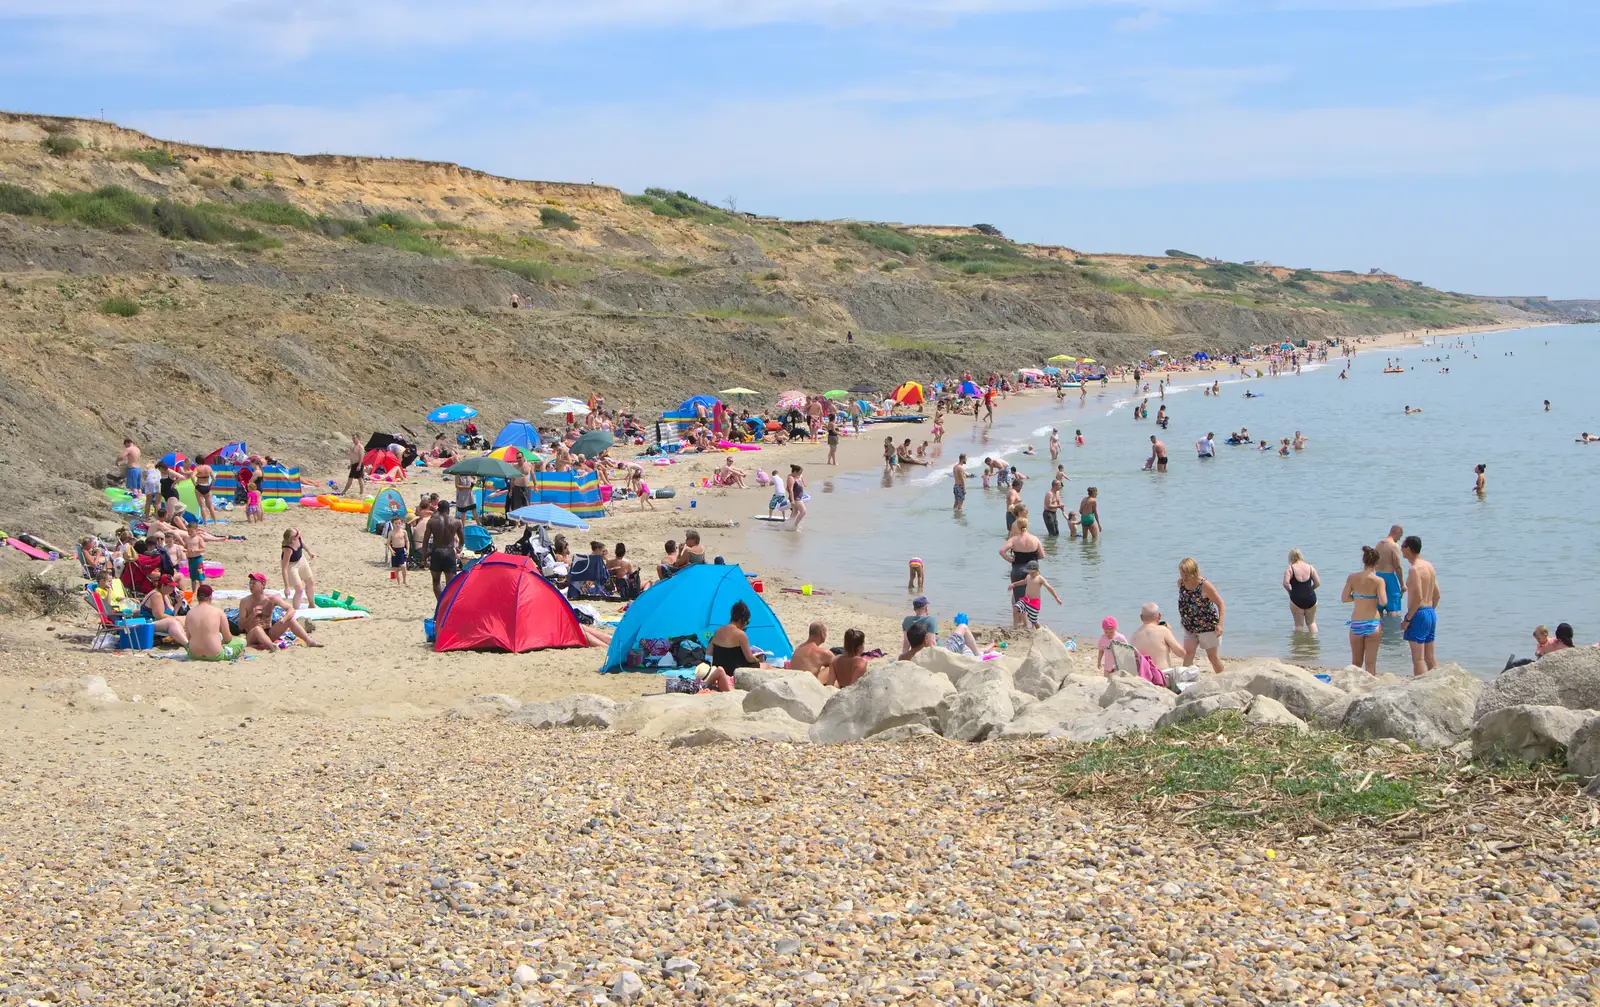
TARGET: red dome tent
(501,603)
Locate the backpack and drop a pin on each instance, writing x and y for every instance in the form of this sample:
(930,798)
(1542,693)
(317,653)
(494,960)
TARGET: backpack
(687,651)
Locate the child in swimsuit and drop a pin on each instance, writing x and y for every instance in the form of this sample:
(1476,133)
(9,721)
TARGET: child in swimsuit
(1032,584)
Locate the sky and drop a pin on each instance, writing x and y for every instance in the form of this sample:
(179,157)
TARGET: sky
(1455,142)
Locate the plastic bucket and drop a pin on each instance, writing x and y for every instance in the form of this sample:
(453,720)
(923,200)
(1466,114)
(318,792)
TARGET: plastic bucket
(427,629)
(758,587)
(139,635)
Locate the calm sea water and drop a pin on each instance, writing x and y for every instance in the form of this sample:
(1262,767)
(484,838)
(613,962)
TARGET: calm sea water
(1506,562)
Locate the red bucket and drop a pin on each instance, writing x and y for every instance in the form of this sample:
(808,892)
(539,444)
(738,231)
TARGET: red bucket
(758,586)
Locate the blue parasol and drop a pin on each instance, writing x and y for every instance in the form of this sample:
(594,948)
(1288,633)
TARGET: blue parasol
(549,514)
(455,412)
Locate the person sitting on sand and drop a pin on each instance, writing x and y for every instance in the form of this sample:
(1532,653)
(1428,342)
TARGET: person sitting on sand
(1155,640)
(961,640)
(731,650)
(691,553)
(918,639)
(1562,641)
(256,617)
(812,656)
(209,635)
(669,561)
(728,475)
(847,668)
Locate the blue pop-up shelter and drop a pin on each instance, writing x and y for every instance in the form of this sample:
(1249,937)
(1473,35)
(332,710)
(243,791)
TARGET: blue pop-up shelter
(688,405)
(695,602)
(386,506)
(517,434)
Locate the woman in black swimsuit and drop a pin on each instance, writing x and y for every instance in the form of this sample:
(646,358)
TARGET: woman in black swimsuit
(730,649)
(1301,581)
(1020,549)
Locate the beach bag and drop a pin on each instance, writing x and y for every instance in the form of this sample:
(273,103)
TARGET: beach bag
(1150,673)
(688,651)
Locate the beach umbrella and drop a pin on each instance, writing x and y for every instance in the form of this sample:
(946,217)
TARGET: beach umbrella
(837,393)
(1088,360)
(455,412)
(571,409)
(1052,371)
(485,467)
(1062,358)
(862,389)
(1286,346)
(909,394)
(568,405)
(1202,356)
(549,514)
(740,392)
(592,443)
(172,459)
(1158,353)
(1031,370)
(792,399)
(513,454)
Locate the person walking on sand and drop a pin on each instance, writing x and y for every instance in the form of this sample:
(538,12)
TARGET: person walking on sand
(357,473)
(132,474)
(1089,514)
(1422,621)
(1202,612)
(297,577)
(958,471)
(1300,580)
(1368,592)
(441,539)
(1389,569)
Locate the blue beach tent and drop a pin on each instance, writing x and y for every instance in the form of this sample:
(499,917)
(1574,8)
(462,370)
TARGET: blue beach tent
(517,434)
(695,602)
(385,506)
(688,405)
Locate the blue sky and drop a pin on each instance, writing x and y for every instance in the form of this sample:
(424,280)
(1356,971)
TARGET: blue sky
(1453,141)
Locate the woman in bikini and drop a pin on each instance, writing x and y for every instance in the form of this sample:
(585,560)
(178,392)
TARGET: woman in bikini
(796,485)
(730,649)
(204,478)
(1369,594)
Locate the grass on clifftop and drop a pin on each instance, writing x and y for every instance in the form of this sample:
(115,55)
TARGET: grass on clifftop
(1222,773)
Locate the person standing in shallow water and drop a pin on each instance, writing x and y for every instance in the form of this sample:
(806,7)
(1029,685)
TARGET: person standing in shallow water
(1482,480)
(1201,610)
(1421,621)
(1089,514)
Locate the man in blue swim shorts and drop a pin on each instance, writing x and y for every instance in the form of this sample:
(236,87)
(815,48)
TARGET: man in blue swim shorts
(1422,621)
(1389,568)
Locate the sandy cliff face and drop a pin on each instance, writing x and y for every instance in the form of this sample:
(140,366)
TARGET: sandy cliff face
(342,319)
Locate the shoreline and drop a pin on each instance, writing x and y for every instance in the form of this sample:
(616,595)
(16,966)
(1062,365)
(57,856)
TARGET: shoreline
(382,668)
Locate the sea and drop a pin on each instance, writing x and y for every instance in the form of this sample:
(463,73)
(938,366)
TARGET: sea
(1505,559)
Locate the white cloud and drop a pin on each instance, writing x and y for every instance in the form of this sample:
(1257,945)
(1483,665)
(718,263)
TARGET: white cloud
(1148,20)
(952,87)
(826,147)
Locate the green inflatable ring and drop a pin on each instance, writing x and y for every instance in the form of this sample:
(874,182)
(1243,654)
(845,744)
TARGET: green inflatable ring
(274,505)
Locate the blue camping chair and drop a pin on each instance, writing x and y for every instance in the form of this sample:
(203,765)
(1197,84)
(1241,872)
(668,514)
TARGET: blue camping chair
(478,539)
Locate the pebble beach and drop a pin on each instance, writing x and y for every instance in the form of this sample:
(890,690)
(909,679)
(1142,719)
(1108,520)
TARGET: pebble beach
(312,861)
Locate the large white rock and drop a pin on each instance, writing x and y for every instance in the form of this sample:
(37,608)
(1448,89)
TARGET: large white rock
(951,665)
(490,706)
(1077,698)
(1533,733)
(1194,708)
(771,725)
(1296,688)
(906,732)
(799,695)
(1128,704)
(887,696)
(1352,682)
(749,679)
(1569,678)
(976,714)
(89,690)
(1583,751)
(1045,664)
(1432,711)
(675,713)
(1264,710)
(990,672)
(581,710)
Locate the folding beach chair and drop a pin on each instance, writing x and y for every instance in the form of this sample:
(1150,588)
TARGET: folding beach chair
(588,579)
